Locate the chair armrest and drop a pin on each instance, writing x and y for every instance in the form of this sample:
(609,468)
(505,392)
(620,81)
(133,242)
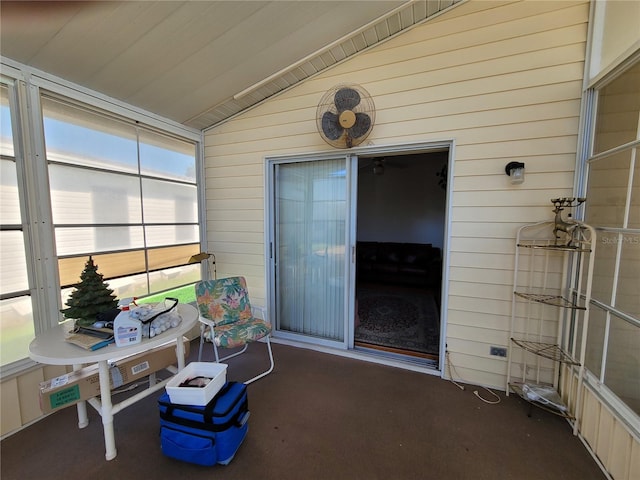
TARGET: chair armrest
(259,308)
(206,321)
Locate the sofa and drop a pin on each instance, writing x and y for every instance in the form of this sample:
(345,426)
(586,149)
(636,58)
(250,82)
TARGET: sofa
(410,264)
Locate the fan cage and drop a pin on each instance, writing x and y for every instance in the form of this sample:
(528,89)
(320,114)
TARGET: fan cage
(327,104)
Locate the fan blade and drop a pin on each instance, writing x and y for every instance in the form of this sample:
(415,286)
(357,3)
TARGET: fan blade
(346,99)
(361,127)
(331,126)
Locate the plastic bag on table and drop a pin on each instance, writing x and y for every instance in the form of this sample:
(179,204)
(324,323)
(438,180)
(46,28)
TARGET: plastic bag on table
(157,318)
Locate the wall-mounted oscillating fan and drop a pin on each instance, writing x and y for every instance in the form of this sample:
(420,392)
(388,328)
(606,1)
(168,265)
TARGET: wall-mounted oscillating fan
(345,115)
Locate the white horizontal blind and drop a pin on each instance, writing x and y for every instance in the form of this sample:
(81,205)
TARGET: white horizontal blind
(124,194)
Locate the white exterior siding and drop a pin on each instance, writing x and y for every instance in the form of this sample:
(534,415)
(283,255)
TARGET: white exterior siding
(502,80)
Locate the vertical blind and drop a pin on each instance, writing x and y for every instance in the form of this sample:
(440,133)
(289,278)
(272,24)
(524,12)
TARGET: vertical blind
(310,244)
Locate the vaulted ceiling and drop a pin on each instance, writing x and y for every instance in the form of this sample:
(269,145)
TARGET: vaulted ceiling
(197,62)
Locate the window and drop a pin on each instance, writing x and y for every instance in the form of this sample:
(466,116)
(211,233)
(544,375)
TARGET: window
(613,208)
(16,315)
(90,183)
(124,194)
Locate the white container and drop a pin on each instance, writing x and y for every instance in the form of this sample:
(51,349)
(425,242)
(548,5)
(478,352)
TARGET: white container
(200,396)
(126,330)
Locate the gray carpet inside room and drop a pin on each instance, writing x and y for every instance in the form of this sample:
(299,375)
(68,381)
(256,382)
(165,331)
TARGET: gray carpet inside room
(321,416)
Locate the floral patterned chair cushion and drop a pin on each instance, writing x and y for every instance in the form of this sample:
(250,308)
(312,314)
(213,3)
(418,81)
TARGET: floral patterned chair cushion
(225,302)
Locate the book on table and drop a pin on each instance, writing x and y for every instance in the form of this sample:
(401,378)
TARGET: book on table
(91,338)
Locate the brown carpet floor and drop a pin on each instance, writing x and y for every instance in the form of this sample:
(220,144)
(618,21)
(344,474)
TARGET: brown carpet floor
(320,416)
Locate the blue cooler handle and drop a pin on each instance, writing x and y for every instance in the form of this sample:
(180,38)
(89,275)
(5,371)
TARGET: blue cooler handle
(244,419)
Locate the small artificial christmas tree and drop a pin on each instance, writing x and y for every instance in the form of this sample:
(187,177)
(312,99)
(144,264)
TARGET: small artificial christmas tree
(90,297)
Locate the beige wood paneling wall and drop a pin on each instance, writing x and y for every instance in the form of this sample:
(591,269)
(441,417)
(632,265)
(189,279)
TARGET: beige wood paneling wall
(605,434)
(502,80)
(19,397)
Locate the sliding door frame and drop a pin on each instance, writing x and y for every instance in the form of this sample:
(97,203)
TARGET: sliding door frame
(271,220)
(351,162)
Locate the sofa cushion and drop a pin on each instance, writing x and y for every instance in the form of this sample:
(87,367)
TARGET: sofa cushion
(399,263)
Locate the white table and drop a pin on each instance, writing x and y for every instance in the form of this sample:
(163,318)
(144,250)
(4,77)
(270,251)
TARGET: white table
(51,348)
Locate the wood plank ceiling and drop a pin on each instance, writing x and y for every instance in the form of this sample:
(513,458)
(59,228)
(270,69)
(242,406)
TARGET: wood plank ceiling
(197,63)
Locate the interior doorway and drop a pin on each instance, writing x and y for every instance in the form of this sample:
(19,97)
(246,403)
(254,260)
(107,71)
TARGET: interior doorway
(400,235)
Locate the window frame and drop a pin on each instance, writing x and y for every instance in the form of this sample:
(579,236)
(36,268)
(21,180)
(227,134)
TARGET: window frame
(597,382)
(139,180)
(17,99)
(26,86)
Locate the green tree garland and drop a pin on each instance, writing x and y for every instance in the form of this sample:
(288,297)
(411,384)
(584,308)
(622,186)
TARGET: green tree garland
(90,297)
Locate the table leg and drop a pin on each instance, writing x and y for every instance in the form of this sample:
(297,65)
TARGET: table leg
(83,419)
(180,352)
(107,411)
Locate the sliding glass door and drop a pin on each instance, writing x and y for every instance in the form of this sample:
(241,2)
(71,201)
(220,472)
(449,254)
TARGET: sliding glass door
(310,268)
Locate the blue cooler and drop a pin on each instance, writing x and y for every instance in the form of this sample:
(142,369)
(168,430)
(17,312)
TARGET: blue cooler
(205,435)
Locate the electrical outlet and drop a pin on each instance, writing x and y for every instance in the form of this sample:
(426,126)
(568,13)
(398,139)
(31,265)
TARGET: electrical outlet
(498,351)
